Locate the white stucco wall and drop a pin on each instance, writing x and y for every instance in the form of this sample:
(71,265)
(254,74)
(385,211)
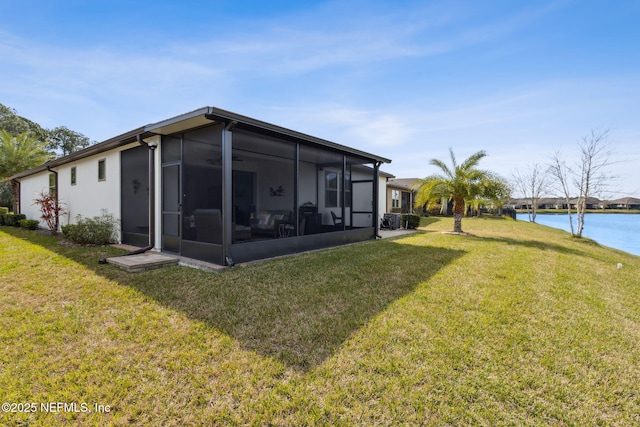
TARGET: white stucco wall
(88,197)
(382,197)
(30,188)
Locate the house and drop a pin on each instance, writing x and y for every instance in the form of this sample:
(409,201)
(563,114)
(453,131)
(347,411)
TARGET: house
(401,194)
(589,203)
(624,203)
(552,203)
(215,185)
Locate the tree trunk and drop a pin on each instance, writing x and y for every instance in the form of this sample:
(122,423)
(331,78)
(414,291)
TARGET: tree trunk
(581,206)
(534,211)
(16,196)
(570,217)
(458,211)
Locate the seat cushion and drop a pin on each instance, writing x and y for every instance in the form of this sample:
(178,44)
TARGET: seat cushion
(264,218)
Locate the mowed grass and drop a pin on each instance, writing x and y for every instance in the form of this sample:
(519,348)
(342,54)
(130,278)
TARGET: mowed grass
(517,324)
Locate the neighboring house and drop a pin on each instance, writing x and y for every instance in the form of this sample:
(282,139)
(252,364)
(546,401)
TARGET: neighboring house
(624,203)
(590,203)
(401,194)
(561,203)
(552,203)
(212,184)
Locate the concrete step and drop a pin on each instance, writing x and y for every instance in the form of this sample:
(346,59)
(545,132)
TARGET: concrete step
(143,262)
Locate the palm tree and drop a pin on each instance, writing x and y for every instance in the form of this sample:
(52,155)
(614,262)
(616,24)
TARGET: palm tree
(465,184)
(19,153)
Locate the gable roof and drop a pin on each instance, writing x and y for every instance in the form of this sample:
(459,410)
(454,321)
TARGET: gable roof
(403,183)
(625,201)
(198,118)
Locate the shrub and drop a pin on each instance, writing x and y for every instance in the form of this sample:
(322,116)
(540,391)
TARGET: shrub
(2,218)
(410,220)
(29,224)
(4,210)
(51,209)
(13,220)
(99,230)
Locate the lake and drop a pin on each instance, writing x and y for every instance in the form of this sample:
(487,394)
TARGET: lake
(620,231)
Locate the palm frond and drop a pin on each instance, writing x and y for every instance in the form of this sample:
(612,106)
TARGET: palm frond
(473,160)
(443,167)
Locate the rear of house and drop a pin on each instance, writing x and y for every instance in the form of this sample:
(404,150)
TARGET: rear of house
(401,194)
(217,186)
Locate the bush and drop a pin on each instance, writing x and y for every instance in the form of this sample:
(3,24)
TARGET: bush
(29,224)
(13,220)
(2,218)
(410,220)
(4,210)
(51,209)
(99,230)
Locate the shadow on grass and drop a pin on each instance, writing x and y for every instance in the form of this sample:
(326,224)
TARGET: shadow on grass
(532,244)
(300,309)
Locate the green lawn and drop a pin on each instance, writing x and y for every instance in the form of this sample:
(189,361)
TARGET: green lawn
(518,324)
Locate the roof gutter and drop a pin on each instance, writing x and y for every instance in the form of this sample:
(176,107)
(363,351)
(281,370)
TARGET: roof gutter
(55,197)
(259,126)
(101,147)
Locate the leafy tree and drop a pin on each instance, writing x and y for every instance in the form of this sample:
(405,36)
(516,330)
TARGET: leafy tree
(463,183)
(66,140)
(19,153)
(15,124)
(61,139)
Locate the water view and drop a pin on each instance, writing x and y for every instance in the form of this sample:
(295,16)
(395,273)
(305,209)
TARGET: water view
(620,231)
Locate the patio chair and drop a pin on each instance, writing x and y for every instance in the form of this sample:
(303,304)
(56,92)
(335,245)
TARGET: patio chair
(337,220)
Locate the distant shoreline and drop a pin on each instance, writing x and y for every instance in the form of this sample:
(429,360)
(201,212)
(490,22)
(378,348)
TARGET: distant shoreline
(596,211)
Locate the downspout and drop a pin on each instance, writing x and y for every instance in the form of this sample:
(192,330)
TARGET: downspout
(376,198)
(343,193)
(227,196)
(152,190)
(55,196)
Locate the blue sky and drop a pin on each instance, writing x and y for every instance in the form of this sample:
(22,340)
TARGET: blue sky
(402,79)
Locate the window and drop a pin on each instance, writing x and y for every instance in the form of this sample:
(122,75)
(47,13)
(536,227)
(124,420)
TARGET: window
(102,170)
(395,198)
(333,182)
(52,184)
(331,189)
(73,175)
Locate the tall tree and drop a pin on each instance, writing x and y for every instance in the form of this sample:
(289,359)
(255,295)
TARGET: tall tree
(61,139)
(463,183)
(66,141)
(19,153)
(561,172)
(590,176)
(531,183)
(15,124)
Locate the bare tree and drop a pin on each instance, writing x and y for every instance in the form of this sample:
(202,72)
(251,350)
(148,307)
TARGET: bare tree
(561,172)
(589,177)
(592,176)
(531,183)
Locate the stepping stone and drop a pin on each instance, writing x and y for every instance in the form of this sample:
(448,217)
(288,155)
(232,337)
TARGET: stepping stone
(142,262)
